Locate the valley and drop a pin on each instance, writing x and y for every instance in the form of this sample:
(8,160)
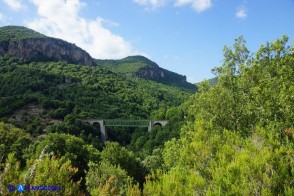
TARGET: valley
(229,135)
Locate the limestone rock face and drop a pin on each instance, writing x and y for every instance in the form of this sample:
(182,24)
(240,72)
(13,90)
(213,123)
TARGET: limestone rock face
(159,74)
(150,73)
(45,49)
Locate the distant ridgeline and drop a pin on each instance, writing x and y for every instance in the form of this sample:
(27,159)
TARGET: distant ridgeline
(25,44)
(212,81)
(142,67)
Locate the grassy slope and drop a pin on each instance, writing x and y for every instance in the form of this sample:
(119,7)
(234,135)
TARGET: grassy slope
(129,64)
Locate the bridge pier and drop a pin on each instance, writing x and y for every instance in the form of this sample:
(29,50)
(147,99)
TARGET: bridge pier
(150,126)
(103,132)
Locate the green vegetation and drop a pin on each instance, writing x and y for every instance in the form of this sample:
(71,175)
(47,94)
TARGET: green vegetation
(232,138)
(17,33)
(240,140)
(129,64)
(63,89)
(55,96)
(212,81)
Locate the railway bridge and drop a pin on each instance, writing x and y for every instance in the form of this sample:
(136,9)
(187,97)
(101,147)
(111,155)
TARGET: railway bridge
(123,123)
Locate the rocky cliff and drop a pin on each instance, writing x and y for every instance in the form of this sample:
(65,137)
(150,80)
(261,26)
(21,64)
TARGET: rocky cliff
(164,76)
(159,74)
(40,48)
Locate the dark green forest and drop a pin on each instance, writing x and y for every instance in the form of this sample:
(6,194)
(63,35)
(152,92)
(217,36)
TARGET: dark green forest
(235,137)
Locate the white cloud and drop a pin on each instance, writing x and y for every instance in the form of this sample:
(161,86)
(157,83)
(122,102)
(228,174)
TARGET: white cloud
(241,13)
(198,5)
(60,18)
(152,3)
(2,17)
(15,5)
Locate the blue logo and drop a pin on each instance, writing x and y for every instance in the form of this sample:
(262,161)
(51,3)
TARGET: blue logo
(11,187)
(20,188)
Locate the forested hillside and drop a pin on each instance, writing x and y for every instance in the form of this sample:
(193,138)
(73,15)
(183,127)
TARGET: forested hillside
(42,96)
(232,138)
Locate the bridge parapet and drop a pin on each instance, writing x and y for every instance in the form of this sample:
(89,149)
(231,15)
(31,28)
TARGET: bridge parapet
(126,123)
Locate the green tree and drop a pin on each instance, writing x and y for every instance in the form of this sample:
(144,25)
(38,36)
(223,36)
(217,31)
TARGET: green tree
(53,172)
(13,140)
(120,156)
(10,174)
(107,179)
(154,161)
(69,148)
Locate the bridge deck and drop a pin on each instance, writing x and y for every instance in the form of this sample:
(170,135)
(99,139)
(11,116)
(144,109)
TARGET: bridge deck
(126,123)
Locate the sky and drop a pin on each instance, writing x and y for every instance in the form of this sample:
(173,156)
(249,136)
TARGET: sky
(183,36)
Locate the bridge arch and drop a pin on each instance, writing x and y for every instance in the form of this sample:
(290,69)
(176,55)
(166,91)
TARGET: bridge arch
(103,131)
(96,124)
(157,124)
(162,123)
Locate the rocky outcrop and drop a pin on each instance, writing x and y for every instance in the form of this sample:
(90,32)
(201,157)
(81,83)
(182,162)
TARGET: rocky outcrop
(163,76)
(150,73)
(159,74)
(40,49)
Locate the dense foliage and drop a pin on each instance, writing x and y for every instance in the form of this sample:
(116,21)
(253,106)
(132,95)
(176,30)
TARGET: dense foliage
(55,96)
(240,141)
(232,138)
(129,64)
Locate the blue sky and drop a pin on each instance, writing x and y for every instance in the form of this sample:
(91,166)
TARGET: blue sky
(184,36)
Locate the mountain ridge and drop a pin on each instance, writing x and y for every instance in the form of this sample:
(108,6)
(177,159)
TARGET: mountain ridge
(28,45)
(142,67)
